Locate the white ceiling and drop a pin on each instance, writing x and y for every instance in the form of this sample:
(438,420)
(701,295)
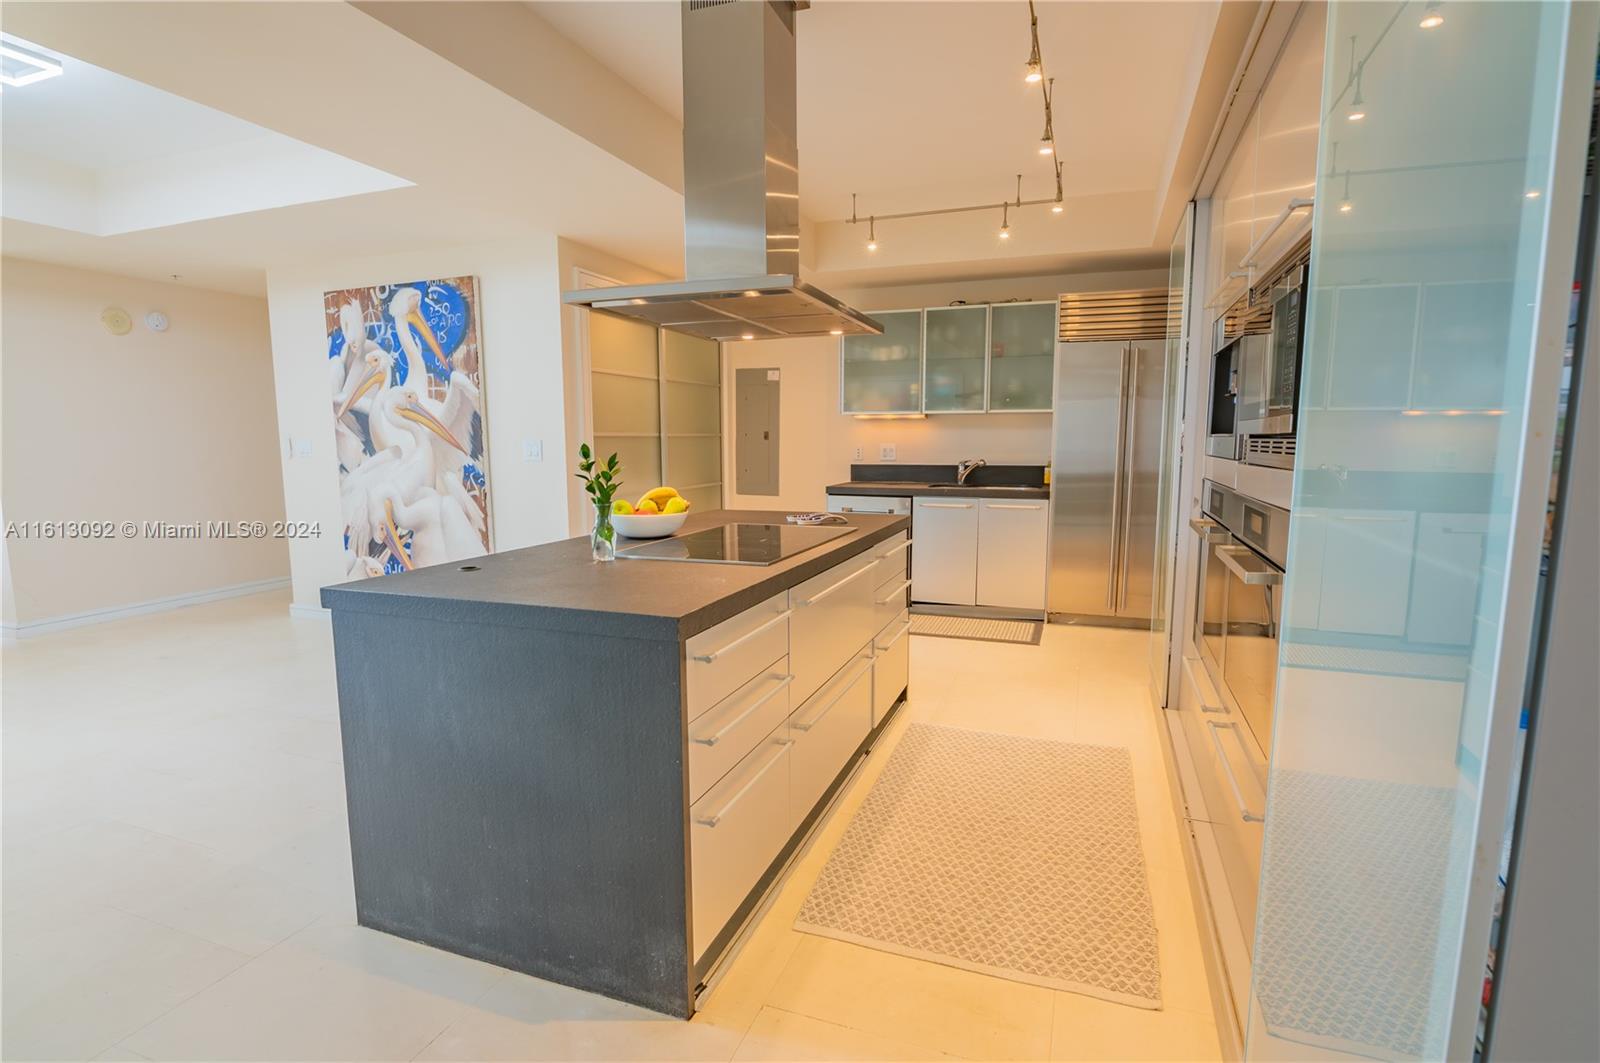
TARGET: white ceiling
(921,105)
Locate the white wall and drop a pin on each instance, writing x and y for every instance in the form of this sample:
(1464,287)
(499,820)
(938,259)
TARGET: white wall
(523,385)
(817,443)
(174,426)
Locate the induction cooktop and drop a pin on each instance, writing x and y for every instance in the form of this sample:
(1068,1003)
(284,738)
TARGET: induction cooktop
(735,544)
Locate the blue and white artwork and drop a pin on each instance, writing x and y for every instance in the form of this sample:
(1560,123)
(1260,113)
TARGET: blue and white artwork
(405,367)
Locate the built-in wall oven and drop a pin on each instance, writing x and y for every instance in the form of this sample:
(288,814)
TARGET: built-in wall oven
(1239,604)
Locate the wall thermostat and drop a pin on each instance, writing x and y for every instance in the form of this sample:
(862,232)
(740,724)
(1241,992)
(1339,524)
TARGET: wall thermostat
(116,320)
(156,321)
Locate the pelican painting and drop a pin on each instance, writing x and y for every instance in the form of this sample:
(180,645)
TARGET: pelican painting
(405,367)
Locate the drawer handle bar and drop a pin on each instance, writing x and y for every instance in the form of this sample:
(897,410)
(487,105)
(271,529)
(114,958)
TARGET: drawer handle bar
(857,574)
(844,688)
(892,595)
(742,639)
(1254,576)
(896,637)
(897,547)
(945,505)
(1227,769)
(717,816)
(1010,505)
(1208,530)
(722,732)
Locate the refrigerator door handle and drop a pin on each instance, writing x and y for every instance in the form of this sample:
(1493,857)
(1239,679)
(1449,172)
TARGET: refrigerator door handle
(1130,407)
(1116,484)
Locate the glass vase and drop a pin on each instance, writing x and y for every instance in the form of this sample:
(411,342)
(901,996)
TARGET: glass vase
(602,540)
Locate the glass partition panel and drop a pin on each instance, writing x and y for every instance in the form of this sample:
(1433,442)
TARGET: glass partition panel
(1161,646)
(953,372)
(692,405)
(1409,566)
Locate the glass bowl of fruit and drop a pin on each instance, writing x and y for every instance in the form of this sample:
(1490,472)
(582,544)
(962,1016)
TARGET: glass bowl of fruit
(656,515)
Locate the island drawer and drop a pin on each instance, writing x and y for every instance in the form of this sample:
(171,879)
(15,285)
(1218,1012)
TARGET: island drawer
(721,659)
(891,665)
(826,730)
(833,616)
(735,832)
(892,558)
(890,599)
(720,737)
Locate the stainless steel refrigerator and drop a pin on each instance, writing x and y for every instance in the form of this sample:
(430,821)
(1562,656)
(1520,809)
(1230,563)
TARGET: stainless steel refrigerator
(1105,468)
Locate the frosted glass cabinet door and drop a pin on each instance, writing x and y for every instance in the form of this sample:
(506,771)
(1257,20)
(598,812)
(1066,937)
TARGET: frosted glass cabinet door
(1022,356)
(953,374)
(883,374)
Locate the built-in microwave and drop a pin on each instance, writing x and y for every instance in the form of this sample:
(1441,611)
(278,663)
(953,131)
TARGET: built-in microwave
(1222,431)
(1269,365)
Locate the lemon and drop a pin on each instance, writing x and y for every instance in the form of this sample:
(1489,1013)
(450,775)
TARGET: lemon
(646,506)
(622,506)
(676,504)
(659,495)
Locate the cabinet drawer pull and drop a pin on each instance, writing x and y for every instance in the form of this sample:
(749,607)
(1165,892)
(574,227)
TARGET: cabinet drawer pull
(716,817)
(1010,505)
(742,639)
(823,594)
(844,688)
(896,637)
(722,732)
(1227,769)
(895,549)
(945,505)
(892,595)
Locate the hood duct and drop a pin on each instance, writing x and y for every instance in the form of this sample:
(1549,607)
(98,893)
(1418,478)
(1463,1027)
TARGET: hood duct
(741,191)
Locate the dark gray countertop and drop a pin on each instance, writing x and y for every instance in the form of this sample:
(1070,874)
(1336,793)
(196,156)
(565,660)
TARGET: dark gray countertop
(557,586)
(912,489)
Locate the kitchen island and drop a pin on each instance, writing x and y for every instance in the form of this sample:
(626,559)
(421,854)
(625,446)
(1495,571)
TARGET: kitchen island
(592,773)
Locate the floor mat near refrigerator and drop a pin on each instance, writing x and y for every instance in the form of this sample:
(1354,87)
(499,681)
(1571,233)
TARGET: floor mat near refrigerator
(1014,857)
(983,629)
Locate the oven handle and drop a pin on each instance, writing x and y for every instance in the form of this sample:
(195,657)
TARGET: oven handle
(1258,574)
(1227,769)
(1208,530)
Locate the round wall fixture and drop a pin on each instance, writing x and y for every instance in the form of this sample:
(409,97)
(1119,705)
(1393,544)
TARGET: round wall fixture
(156,321)
(116,320)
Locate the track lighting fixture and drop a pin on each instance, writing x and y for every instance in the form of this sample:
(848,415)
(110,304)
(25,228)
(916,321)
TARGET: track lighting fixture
(872,234)
(1035,67)
(1005,221)
(1345,206)
(1431,19)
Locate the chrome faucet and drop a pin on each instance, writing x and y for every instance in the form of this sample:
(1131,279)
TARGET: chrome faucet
(967,468)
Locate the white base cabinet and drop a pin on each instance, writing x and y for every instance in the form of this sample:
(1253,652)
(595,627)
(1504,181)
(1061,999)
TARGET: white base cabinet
(1013,548)
(891,666)
(944,563)
(973,551)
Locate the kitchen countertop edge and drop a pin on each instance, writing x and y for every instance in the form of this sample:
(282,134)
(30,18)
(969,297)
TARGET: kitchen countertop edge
(890,489)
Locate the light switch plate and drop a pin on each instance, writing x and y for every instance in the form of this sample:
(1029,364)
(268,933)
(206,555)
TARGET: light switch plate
(886,452)
(302,447)
(533,450)
(861,453)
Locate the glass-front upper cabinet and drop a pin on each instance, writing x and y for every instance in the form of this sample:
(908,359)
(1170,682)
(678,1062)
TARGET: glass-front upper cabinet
(955,363)
(1022,355)
(883,374)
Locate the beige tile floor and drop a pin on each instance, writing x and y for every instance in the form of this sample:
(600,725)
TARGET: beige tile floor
(176,881)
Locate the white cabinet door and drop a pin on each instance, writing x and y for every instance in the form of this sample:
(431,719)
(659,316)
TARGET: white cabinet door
(1366,571)
(831,615)
(1013,540)
(944,562)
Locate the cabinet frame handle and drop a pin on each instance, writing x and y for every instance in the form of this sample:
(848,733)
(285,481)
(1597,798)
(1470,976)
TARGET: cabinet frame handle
(717,817)
(945,505)
(1253,577)
(857,574)
(1227,769)
(885,647)
(707,658)
(905,585)
(722,732)
(895,549)
(1011,505)
(844,688)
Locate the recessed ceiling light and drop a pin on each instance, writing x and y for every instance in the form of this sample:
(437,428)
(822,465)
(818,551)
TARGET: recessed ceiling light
(752,294)
(1532,193)
(21,66)
(748,336)
(836,332)
(1431,19)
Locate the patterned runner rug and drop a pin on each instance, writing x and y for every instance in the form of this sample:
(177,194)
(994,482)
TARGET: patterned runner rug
(981,628)
(1014,857)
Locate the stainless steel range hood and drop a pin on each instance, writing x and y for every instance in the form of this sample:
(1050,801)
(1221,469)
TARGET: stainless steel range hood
(741,190)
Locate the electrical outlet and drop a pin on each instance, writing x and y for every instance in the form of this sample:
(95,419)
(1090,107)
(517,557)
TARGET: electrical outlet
(533,450)
(861,453)
(886,452)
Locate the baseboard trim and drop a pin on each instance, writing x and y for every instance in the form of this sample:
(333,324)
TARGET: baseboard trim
(35,628)
(309,612)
